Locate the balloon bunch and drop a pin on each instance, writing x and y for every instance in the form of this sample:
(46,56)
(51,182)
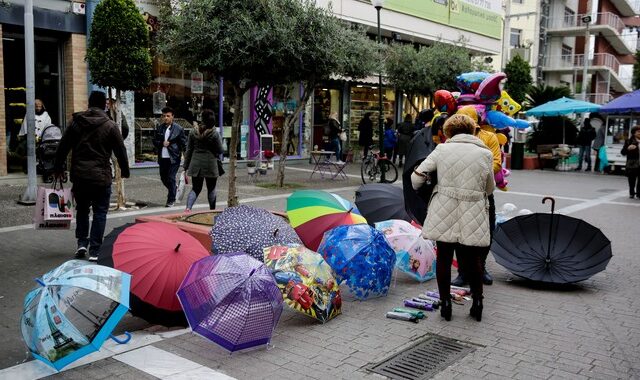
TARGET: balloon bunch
(481,99)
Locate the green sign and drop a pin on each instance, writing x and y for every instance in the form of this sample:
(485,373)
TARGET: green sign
(432,10)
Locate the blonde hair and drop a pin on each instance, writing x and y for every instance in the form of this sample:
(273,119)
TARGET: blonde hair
(458,124)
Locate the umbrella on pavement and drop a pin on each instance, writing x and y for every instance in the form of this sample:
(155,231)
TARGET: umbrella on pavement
(312,212)
(74,311)
(415,202)
(305,280)
(551,248)
(250,229)
(381,201)
(415,255)
(361,257)
(231,300)
(158,256)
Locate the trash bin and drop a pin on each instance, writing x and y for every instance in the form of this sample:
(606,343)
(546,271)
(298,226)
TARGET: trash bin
(517,155)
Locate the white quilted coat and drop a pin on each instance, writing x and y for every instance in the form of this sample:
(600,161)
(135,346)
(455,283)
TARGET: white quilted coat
(458,210)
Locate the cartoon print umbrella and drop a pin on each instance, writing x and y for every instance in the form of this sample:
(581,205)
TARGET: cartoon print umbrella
(231,300)
(415,255)
(361,257)
(158,256)
(381,201)
(312,212)
(250,229)
(74,311)
(306,281)
(551,248)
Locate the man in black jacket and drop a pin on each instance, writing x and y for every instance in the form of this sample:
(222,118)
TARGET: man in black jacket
(170,141)
(586,135)
(92,138)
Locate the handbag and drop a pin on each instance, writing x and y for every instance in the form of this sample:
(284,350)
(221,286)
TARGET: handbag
(183,180)
(58,204)
(220,169)
(343,136)
(39,223)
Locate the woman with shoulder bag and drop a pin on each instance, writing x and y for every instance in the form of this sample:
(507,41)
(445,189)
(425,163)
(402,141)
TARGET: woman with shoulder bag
(632,167)
(458,213)
(201,159)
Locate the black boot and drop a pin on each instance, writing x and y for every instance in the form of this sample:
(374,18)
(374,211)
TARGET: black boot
(476,309)
(486,278)
(445,309)
(459,281)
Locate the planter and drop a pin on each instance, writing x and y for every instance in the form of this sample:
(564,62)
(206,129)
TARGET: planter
(270,165)
(251,170)
(262,171)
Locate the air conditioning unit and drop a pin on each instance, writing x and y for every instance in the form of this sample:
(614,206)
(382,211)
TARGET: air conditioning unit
(524,53)
(78,8)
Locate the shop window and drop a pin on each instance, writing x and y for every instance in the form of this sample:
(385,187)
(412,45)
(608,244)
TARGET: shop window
(365,99)
(325,101)
(284,103)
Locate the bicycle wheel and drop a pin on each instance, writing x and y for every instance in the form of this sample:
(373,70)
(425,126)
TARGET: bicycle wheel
(390,171)
(368,171)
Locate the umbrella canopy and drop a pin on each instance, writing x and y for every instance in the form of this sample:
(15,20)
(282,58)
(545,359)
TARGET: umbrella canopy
(361,257)
(415,255)
(627,103)
(551,248)
(305,280)
(158,256)
(74,311)
(232,300)
(415,202)
(381,201)
(563,106)
(250,229)
(312,212)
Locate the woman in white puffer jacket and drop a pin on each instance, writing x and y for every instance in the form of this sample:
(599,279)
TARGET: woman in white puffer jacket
(458,212)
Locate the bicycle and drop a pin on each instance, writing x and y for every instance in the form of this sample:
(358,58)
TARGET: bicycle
(372,166)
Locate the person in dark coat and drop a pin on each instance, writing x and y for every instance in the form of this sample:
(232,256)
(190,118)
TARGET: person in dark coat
(365,127)
(424,119)
(632,167)
(405,133)
(170,141)
(390,139)
(92,137)
(334,136)
(201,159)
(586,135)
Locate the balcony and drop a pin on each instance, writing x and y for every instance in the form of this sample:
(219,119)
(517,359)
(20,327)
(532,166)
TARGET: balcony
(606,64)
(607,24)
(598,98)
(627,8)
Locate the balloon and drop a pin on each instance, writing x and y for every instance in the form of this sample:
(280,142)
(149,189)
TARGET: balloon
(468,83)
(525,211)
(444,101)
(466,99)
(506,105)
(489,89)
(508,208)
(500,121)
(502,139)
(474,111)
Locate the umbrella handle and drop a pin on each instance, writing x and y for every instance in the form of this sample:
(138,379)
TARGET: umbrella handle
(122,341)
(39,281)
(553,203)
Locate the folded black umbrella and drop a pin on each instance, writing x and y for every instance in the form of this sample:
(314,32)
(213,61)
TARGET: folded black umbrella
(381,201)
(551,248)
(415,202)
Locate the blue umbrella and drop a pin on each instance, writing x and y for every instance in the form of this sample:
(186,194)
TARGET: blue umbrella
(627,103)
(563,106)
(361,257)
(74,311)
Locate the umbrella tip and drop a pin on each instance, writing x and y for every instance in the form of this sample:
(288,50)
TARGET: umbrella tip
(275,233)
(177,247)
(252,272)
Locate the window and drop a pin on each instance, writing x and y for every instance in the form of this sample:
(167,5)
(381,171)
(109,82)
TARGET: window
(569,17)
(517,1)
(516,37)
(567,53)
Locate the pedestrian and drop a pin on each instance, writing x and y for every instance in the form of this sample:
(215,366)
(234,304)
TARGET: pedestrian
(424,119)
(458,217)
(204,148)
(405,133)
(92,138)
(585,136)
(598,124)
(169,141)
(43,120)
(632,167)
(334,131)
(390,140)
(365,139)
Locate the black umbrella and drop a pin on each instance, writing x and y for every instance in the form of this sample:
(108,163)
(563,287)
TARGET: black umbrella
(551,248)
(415,202)
(381,201)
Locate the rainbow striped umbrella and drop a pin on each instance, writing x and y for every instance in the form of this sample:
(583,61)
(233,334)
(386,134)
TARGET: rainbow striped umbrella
(313,212)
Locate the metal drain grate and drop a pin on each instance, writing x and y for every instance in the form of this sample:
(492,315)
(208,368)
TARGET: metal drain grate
(423,360)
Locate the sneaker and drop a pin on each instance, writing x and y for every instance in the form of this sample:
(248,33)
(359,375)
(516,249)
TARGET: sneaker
(340,162)
(81,253)
(93,257)
(169,204)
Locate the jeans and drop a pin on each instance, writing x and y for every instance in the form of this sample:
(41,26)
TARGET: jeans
(197,188)
(168,173)
(337,147)
(470,263)
(584,155)
(96,197)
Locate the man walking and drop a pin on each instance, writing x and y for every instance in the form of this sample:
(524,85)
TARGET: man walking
(170,141)
(586,135)
(92,137)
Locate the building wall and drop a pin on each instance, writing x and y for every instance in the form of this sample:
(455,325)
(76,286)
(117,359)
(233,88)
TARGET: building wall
(75,74)
(3,135)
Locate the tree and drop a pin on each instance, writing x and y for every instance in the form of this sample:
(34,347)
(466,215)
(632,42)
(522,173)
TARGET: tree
(636,72)
(549,130)
(540,94)
(406,69)
(518,78)
(118,56)
(445,62)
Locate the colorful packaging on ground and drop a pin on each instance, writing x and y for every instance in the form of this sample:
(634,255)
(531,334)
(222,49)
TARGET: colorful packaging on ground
(402,316)
(418,305)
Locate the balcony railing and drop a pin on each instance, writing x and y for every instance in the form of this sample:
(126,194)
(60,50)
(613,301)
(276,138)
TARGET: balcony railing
(575,61)
(598,98)
(575,21)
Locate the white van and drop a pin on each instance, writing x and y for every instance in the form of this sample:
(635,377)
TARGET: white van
(618,129)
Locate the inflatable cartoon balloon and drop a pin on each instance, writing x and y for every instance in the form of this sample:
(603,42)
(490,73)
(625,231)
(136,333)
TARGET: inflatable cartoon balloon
(468,83)
(506,105)
(489,90)
(444,101)
(498,120)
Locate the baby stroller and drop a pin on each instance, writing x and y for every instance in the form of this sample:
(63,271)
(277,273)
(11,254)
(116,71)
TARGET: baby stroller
(46,148)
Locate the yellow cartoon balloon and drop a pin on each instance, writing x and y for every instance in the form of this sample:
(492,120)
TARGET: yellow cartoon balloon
(502,139)
(506,105)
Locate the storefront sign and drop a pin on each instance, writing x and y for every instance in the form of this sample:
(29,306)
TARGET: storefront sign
(197,82)
(264,110)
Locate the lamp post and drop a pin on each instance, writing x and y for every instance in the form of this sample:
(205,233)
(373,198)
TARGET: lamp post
(29,196)
(378,5)
(586,20)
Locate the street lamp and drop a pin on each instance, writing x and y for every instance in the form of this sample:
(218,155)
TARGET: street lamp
(378,5)
(586,20)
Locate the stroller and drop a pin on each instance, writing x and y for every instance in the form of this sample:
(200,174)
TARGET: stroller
(46,148)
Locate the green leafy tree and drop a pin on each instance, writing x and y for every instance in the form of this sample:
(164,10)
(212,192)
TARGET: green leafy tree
(636,72)
(540,94)
(445,62)
(406,69)
(118,56)
(518,78)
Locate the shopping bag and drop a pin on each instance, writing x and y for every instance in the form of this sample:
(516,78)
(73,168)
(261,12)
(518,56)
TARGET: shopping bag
(183,180)
(602,155)
(58,202)
(38,215)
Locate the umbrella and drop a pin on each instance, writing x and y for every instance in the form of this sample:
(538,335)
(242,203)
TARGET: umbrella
(361,257)
(232,300)
(381,201)
(305,280)
(627,103)
(416,201)
(415,255)
(250,229)
(551,248)
(312,212)
(563,106)
(74,311)
(158,256)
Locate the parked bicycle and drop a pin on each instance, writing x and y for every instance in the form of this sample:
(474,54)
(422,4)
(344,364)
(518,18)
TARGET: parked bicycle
(372,166)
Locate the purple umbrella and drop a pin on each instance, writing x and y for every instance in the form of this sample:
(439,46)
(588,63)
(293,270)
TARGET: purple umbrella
(627,103)
(231,300)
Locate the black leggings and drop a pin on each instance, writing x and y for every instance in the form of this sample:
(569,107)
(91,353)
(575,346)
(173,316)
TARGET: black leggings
(470,264)
(197,188)
(633,175)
